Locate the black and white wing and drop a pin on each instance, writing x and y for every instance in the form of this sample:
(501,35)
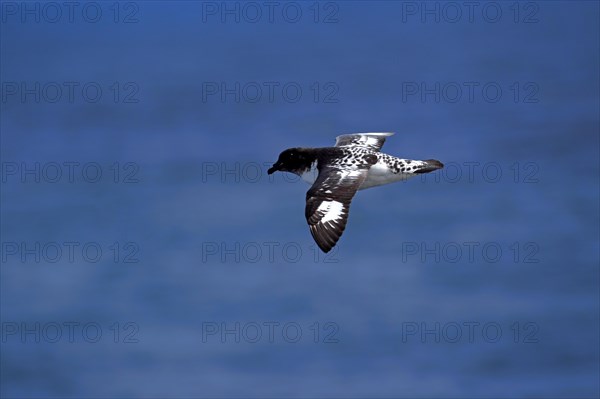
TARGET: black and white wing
(372,141)
(328,200)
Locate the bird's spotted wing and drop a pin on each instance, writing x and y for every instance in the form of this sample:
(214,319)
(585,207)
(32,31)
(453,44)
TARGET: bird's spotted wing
(372,141)
(328,202)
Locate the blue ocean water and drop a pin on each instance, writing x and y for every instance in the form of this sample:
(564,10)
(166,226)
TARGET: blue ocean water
(146,253)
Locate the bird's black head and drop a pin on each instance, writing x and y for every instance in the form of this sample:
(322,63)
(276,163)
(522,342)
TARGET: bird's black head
(293,160)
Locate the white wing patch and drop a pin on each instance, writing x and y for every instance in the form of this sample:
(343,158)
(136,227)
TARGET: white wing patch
(328,202)
(332,210)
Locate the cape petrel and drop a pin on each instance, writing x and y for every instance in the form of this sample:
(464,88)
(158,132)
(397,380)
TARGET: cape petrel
(337,173)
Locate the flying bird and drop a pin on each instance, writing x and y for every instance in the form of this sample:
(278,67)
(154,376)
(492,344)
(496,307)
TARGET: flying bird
(337,173)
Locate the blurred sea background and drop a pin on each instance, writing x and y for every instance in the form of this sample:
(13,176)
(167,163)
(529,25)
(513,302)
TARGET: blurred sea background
(194,217)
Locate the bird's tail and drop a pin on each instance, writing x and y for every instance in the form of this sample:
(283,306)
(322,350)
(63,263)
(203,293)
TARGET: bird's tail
(427,166)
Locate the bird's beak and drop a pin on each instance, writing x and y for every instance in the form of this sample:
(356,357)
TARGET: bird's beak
(275,168)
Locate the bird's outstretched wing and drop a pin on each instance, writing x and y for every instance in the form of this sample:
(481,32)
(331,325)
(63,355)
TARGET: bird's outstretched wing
(372,141)
(328,200)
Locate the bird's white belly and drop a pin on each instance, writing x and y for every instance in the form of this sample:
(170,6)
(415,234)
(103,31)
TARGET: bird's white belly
(380,174)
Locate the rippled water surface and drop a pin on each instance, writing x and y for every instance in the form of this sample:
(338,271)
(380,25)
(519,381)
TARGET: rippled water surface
(183,270)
